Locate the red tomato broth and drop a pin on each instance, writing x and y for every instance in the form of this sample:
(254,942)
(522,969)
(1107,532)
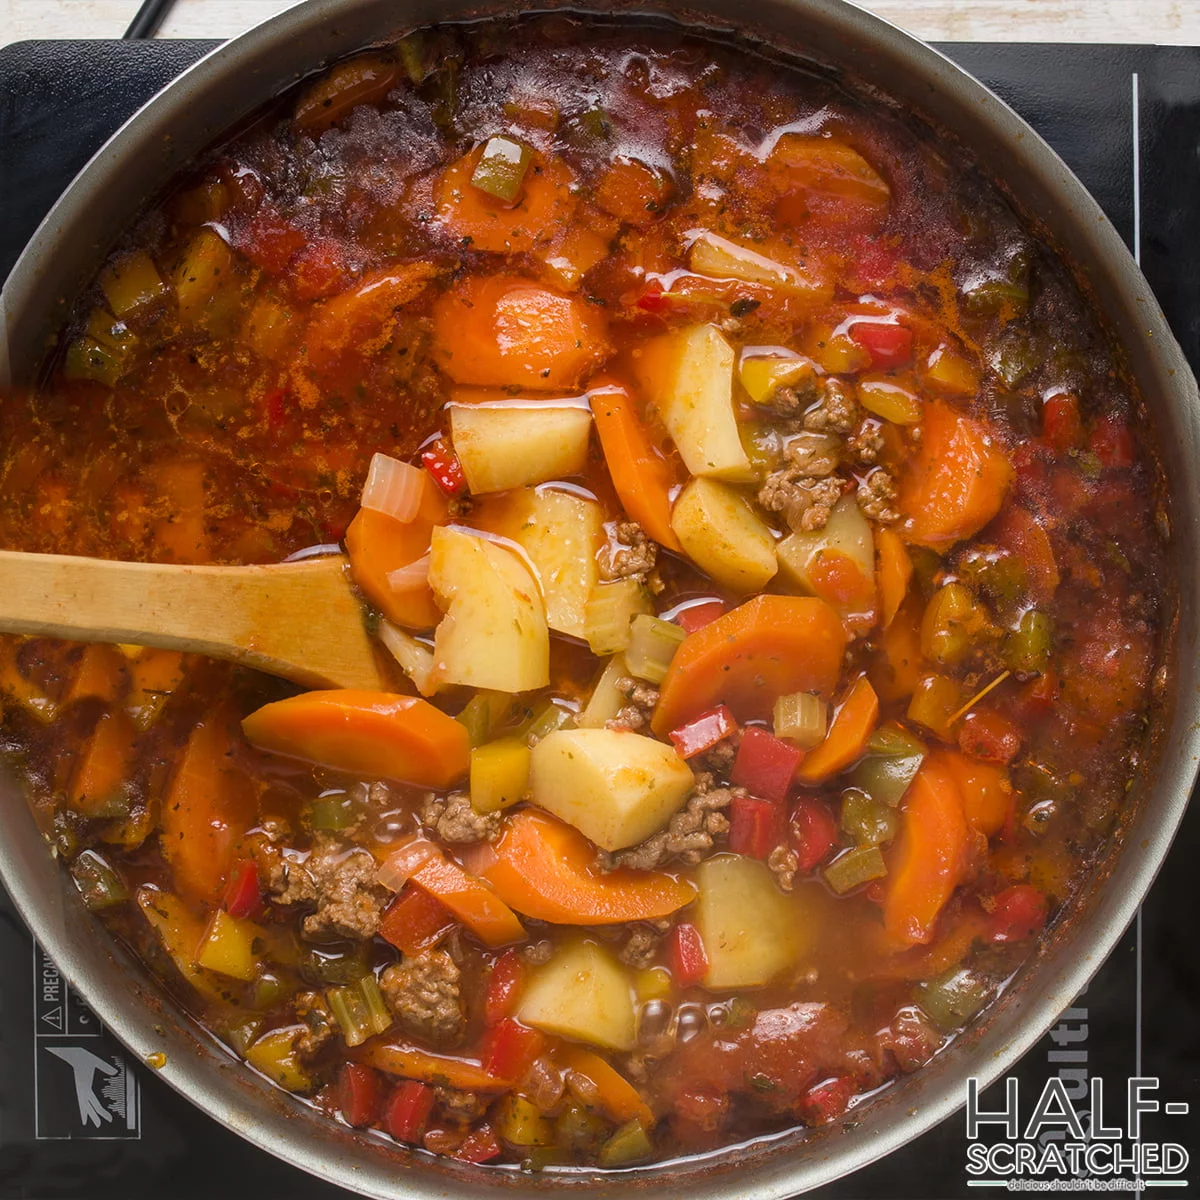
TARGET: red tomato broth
(229,415)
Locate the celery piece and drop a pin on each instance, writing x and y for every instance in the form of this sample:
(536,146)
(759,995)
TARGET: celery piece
(854,868)
(609,612)
(270,990)
(350,1011)
(885,777)
(99,883)
(579,1128)
(502,167)
(1027,648)
(518,1122)
(800,718)
(545,721)
(652,645)
(324,964)
(605,701)
(331,812)
(630,1144)
(499,774)
(379,1016)
(484,713)
(866,820)
(954,997)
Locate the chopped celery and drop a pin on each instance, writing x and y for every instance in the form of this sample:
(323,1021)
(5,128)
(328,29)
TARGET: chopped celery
(1027,648)
(954,997)
(953,622)
(866,820)
(377,1009)
(630,1144)
(502,167)
(276,1056)
(854,868)
(609,611)
(545,721)
(484,713)
(579,1128)
(328,965)
(229,947)
(518,1122)
(605,701)
(890,400)
(359,1010)
(936,700)
(652,645)
(270,990)
(99,883)
(331,812)
(801,718)
(499,774)
(762,375)
(131,284)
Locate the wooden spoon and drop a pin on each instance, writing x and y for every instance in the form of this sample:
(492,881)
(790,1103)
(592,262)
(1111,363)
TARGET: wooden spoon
(300,620)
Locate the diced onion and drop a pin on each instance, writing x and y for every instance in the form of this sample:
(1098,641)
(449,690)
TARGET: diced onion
(404,862)
(393,487)
(545,1083)
(410,578)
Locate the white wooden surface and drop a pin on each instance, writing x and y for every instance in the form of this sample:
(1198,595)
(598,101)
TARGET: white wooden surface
(1167,21)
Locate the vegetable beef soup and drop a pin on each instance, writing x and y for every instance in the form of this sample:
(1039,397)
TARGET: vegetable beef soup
(756,526)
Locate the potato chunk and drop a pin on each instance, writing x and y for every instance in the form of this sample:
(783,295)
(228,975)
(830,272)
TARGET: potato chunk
(494,633)
(722,535)
(836,563)
(688,376)
(512,443)
(582,993)
(719,258)
(748,927)
(615,786)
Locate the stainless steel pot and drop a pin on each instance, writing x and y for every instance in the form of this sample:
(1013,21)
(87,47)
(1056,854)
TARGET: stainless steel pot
(243,74)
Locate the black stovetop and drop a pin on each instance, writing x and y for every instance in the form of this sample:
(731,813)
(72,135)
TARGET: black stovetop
(1127,120)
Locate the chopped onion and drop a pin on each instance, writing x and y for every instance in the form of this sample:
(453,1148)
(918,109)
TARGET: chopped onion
(583,1089)
(544,1084)
(410,578)
(393,487)
(405,861)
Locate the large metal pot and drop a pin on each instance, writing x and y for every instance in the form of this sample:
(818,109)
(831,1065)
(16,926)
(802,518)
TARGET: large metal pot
(243,74)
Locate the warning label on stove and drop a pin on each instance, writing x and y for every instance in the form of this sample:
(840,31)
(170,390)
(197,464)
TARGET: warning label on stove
(83,1086)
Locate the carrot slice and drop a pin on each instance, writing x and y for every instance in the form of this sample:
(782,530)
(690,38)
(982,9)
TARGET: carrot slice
(619,1098)
(543,868)
(101,675)
(1017,530)
(206,811)
(368,733)
(986,791)
(895,572)
(766,648)
(363,80)
(928,859)
(504,331)
(642,476)
(955,482)
(472,902)
(103,766)
(846,740)
(897,670)
(411,1062)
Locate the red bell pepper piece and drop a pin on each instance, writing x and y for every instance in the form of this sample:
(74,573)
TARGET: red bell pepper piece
(1062,425)
(505,980)
(988,735)
(1112,443)
(415,920)
(826,1101)
(765,764)
(359,1094)
(699,615)
(756,826)
(704,732)
(508,1049)
(242,892)
(408,1110)
(686,955)
(888,345)
(814,832)
(652,297)
(1020,912)
(442,463)
(479,1146)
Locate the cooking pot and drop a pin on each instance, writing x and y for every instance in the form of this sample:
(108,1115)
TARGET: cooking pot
(239,77)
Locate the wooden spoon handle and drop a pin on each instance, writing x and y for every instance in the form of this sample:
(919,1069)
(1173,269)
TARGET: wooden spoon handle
(299,620)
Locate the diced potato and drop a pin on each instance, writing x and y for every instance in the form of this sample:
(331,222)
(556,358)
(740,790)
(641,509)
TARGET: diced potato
(609,611)
(615,786)
(762,375)
(494,633)
(499,774)
(512,443)
(605,701)
(748,927)
(582,993)
(562,533)
(722,535)
(414,657)
(205,268)
(227,947)
(131,284)
(719,258)
(836,563)
(688,377)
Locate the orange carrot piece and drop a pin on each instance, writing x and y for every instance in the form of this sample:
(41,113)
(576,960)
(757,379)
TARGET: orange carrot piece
(363,80)
(206,812)
(987,794)
(545,206)
(839,580)
(103,766)
(897,670)
(543,868)
(642,476)
(1017,530)
(472,902)
(846,741)
(101,675)
(766,648)
(180,488)
(505,331)
(410,1062)
(632,191)
(618,1097)
(929,856)
(378,544)
(367,733)
(895,573)
(827,179)
(955,482)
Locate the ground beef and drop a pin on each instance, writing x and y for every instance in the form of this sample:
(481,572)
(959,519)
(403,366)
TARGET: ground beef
(424,993)
(641,946)
(794,398)
(836,412)
(718,759)
(804,503)
(784,864)
(313,1013)
(875,495)
(340,881)
(459,1107)
(910,1039)
(689,835)
(642,698)
(537,954)
(452,819)
(866,445)
(634,556)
